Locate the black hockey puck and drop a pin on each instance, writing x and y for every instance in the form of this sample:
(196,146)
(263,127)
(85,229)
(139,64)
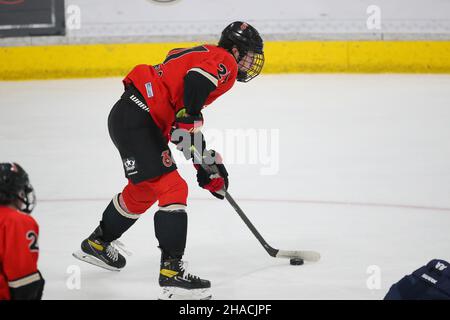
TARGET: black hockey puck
(296,261)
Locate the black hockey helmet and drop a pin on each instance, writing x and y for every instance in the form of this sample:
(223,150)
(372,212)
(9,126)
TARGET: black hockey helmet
(15,188)
(246,40)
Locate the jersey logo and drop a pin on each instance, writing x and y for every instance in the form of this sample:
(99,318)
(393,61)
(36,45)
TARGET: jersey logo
(33,238)
(139,103)
(428,278)
(223,73)
(177,53)
(149,89)
(157,68)
(440,266)
(130,166)
(166,158)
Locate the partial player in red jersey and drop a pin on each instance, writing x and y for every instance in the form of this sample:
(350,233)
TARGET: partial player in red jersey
(20,278)
(163,103)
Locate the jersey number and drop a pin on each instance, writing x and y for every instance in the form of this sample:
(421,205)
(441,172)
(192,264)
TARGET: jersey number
(185,51)
(33,238)
(223,72)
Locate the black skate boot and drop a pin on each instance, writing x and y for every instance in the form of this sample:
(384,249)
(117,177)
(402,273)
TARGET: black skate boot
(96,251)
(178,284)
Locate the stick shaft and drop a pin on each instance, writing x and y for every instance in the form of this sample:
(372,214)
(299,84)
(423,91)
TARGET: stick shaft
(273,252)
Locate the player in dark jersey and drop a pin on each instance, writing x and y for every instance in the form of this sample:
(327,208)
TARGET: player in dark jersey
(163,103)
(20,278)
(429,282)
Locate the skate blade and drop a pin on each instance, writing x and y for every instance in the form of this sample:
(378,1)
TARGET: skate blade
(173,293)
(80,255)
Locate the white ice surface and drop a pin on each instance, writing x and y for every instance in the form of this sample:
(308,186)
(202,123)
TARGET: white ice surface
(364,178)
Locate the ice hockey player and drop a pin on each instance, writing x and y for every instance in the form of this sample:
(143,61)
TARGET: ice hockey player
(20,278)
(163,103)
(429,282)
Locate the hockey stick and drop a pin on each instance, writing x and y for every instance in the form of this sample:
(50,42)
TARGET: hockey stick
(276,253)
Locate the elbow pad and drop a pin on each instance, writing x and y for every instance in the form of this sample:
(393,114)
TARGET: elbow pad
(27,288)
(196,90)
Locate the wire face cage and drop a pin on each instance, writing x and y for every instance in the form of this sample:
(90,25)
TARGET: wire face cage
(250,66)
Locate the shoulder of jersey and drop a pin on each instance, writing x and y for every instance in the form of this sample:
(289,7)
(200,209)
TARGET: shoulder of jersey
(223,55)
(229,66)
(12,216)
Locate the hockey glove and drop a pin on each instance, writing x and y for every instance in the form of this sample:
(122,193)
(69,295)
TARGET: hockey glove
(187,123)
(186,132)
(212,175)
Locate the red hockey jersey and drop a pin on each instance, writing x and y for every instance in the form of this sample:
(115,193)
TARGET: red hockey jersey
(162,85)
(18,250)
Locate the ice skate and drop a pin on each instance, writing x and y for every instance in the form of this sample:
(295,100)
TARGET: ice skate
(96,251)
(178,284)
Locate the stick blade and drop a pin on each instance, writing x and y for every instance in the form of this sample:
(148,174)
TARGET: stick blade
(312,256)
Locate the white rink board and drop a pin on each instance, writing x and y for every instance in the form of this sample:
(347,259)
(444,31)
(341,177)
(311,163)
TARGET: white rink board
(117,21)
(200,17)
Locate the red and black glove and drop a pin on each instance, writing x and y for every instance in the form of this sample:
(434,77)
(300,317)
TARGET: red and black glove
(212,175)
(189,123)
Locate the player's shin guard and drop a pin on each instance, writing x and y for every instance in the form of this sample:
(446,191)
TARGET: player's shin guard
(116,220)
(174,277)
(99,248)
(171,231)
